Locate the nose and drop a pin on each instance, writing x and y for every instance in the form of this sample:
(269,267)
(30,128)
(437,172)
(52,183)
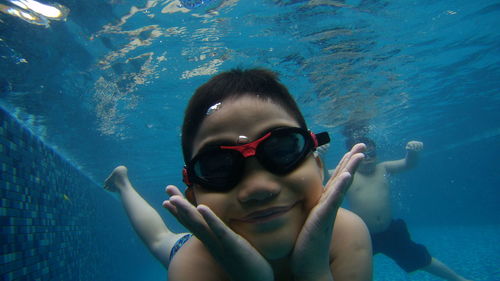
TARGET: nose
(257,185)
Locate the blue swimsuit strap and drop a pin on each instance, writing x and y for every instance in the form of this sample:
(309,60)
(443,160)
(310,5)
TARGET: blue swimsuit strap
(179,244)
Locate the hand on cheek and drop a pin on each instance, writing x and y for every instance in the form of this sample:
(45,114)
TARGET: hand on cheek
(310,259)
(238,258)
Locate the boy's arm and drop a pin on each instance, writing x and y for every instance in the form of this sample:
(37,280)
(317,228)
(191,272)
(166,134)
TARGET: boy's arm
(146,221)
(413,149)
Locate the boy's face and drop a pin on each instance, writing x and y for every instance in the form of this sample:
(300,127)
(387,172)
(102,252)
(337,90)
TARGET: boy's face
(368,163)
(268,210)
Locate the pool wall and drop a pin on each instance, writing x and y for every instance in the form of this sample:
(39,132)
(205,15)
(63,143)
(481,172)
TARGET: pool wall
(56,224)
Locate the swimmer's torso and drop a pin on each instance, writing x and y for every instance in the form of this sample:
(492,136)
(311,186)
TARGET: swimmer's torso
(369,197)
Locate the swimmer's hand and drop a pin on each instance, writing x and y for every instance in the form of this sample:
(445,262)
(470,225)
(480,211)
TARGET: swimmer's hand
(311,254)
(238,258)
(322,150)
(414,146)
(117,180)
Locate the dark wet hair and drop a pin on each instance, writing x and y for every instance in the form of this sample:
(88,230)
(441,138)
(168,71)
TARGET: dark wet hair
(261,83)
(350,142)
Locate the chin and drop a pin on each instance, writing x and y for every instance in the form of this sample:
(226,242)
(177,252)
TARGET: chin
(276,249)
(367,166)
(277,244)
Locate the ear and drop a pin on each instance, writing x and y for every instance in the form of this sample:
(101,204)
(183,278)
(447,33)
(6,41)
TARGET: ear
(190,196)
(321,166)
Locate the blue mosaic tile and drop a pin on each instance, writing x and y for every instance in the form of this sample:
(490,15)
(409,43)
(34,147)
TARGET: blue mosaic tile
(44,235)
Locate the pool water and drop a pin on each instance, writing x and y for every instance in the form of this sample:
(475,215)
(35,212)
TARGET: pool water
(104,83)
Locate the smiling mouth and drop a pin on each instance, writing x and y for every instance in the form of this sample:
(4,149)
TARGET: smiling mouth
(266,215)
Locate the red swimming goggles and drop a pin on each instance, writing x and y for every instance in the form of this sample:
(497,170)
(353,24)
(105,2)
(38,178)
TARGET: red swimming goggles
(219,168)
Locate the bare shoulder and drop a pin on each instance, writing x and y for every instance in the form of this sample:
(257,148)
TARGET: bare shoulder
(382,166)
(349,229)
(351,251)
(193,255)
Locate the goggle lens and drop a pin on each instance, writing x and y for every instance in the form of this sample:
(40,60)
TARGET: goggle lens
(279,151)
(282,152)
(216,167)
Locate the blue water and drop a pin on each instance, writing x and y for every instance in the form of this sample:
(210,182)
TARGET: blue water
(108,86)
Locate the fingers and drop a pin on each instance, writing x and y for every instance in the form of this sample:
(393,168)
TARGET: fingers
(321,150)
(215,224)
(232,251)
(340,165)
(187,214)
(170,207)
(339,186)
(196,219)
(349,162)
(344,183)
(173,190)
(226,237)
(415,145)
(319,223)
(209,228)
(235,253)
(358,148)
(353,163)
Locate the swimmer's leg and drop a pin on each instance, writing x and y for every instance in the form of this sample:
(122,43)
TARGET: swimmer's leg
(439,269)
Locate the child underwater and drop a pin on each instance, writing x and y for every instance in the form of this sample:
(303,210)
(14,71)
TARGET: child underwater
(255,200)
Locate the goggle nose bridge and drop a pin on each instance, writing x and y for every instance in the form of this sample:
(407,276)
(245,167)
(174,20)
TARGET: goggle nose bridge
(249,149)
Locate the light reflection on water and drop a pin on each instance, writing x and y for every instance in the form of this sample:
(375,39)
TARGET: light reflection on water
(371,64)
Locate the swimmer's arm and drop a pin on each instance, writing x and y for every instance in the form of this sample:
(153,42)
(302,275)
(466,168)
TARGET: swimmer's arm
(351,250)
(148,225)
(413,149)
(146,221)
(194,263)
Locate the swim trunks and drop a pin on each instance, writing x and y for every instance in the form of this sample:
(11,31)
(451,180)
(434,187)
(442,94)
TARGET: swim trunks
(179,244)
(395,242)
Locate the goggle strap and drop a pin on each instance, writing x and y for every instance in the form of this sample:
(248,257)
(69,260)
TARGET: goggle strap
(185,177)
(320,139)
